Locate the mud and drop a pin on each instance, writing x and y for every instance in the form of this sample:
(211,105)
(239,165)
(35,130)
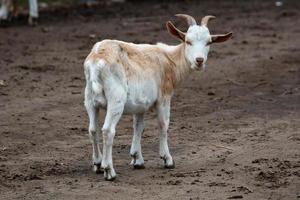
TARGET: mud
(234,130)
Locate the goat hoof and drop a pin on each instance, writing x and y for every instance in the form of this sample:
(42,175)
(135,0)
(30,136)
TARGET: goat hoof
(139,166)
(97,168)
(33,21)
(109,174)
(170,166)
(137,163)
(110,179)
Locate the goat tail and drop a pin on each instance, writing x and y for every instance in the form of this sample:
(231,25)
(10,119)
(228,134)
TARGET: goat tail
(92,72)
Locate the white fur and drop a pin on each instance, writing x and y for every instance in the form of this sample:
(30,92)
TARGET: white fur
(199,37)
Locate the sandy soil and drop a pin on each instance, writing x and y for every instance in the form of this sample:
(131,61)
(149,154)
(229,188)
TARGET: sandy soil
(235,127)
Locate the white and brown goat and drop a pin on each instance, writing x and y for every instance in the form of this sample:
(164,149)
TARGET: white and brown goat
(131,78)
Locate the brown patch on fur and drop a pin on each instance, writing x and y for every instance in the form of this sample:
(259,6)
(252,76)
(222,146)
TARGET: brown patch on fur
(138,63)
(153,60)
(140,58)
(93,57)
(96,55)
(174,70)
(168,81)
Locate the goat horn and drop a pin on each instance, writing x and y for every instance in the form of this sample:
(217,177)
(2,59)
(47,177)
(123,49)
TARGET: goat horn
(205,20)
(189,19)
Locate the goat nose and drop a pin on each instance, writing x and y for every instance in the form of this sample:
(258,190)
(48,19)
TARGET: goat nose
(199,60)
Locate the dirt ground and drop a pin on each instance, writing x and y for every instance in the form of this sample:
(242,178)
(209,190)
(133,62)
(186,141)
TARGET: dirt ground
(235,127)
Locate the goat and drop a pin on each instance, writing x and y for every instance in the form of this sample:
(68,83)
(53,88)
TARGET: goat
(9,6)
(132,78)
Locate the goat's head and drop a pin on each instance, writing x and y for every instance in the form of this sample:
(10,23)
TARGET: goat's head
(197,39)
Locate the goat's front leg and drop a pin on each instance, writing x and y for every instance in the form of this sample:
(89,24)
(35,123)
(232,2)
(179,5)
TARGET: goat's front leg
(33,12)
(6,7)
(163,114)
(93,112)
(135,150)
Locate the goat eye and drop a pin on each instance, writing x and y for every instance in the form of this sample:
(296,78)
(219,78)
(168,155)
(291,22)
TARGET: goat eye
(188,42)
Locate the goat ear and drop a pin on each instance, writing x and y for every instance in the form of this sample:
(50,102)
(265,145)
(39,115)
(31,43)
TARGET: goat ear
(175,32)
(221,38)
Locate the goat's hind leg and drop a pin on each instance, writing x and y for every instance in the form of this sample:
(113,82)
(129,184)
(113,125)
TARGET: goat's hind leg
(115,107)
(94,130)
